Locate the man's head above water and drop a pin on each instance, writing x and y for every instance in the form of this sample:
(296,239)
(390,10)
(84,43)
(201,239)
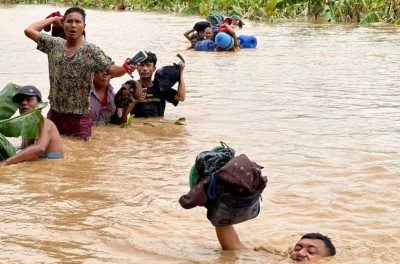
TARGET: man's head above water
(312,246)
(27,98)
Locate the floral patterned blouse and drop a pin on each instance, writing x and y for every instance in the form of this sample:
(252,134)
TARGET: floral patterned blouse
(71,78)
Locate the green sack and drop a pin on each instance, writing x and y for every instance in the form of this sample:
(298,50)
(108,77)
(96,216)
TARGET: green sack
(6,148)
(211,18)
(7,106)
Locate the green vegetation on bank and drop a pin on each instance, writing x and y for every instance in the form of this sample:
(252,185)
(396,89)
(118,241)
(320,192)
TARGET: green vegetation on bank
(354,11)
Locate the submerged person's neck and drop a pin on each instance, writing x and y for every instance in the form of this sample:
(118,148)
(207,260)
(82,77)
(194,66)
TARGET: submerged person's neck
(146,82)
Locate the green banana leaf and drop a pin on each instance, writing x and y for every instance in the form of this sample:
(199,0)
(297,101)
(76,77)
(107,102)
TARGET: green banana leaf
(271,7)
(6,148)
(286,3)
(370,18)
(25,126)
(180,121)
(130,119)
(128,123)
(7,106)
(202,8)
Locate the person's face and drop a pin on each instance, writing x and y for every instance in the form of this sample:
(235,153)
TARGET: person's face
(201,34)
(193,42)
(308,249)
(145,69)
(74,25)
(235,21)
(208,33)
(28,104)
(101,79)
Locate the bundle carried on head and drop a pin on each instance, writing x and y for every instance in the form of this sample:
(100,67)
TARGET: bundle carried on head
(55,31)
(215,19)
(229,187)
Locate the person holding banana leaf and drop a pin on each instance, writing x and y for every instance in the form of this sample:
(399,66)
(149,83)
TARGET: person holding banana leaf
(48,144)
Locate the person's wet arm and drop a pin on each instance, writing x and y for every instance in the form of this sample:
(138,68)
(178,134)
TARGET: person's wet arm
(231,30)
(128,109)
(181,93)
(228,238)
(33,151)
(33,31)
(187,33)
(118,71)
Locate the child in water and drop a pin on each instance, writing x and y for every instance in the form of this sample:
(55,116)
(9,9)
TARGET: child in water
(208,33)
(193,37)
(193,41)
(236,21)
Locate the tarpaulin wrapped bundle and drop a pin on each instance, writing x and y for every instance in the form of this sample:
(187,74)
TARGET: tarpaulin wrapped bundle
(231,192)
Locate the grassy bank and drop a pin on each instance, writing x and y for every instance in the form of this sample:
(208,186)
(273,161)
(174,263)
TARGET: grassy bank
(352,11)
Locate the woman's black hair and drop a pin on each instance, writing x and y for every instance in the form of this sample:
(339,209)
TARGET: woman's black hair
(76,9)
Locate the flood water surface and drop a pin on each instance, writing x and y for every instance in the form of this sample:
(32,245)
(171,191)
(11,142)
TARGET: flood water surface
(318,105)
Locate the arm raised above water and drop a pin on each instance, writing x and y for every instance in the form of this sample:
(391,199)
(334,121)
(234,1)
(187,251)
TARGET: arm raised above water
(33,31)
(228,238)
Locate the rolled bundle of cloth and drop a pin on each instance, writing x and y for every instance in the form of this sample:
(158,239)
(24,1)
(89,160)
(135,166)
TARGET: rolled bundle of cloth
(55,31)
(229,187)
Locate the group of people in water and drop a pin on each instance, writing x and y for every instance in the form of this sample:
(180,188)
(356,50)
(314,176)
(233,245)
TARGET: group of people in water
(209,29)
(82,96)
(79,70)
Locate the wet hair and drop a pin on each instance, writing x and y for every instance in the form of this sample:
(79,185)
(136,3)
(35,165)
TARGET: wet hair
(151,57)
(76,9)
(131,83)
(209,28)
(330,248)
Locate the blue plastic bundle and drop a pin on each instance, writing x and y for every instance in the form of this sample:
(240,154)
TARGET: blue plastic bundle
(224,41)
(247,41)
(205,45)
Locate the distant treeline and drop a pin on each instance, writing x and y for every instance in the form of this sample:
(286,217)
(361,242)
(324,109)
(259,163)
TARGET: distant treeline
(352,11)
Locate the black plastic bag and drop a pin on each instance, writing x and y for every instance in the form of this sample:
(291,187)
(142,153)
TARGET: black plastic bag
(208,162)
(166,77)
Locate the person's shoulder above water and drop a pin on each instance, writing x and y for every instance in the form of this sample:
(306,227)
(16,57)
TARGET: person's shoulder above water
(48,141)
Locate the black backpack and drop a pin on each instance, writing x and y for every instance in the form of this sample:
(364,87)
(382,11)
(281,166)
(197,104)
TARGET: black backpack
(166,77)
